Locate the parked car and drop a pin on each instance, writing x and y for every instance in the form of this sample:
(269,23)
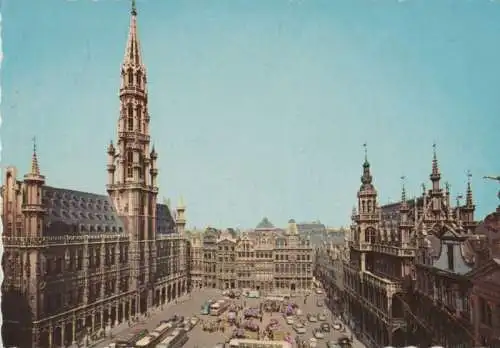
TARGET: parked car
(318,334)
(319,291)
(313,343)
(332,344)
(325,327)
(194,320)
(320,303)
(312,318)
(299,328)
(338,326)
(289,320)
(321,317)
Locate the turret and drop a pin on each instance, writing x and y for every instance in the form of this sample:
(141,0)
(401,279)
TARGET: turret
(180,218)
(32,208)
(367,194)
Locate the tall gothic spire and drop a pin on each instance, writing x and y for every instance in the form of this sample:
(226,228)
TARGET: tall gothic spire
(133,51)
(35,169)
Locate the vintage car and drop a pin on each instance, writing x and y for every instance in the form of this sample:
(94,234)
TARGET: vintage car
(322,317)
(289,320)
(312,318)
(325,327)
(299,328)
(318,334)
(320,303)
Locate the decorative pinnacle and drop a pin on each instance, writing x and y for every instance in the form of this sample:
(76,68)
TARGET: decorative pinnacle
(133,11)
(403,190)
(366,152)
(435,167)
(35,169)
(469,189)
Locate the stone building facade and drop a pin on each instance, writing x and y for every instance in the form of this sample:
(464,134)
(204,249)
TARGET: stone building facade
(329,270)
(405,278)
(485,279)
(77,263)
(267,258)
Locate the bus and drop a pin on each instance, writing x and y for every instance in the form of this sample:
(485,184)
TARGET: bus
(176,339)
(246,343)
(219,307)
(155,337)
(129,339)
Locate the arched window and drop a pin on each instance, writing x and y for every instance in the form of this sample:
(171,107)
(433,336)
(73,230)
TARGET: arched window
(139,117)
(130,117)
(130,161)
(141,162)
(130,76)
(138,79)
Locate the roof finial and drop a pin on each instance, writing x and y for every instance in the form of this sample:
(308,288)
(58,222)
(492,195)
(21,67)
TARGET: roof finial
(34,160)
(133,11)
(366,151)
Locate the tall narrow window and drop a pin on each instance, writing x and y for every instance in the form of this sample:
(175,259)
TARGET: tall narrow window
(451,263)
(130,161)
(130,76)
(138,79)
(139,118)
(130,118)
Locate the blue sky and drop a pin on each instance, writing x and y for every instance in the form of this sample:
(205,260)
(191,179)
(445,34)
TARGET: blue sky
(258,107)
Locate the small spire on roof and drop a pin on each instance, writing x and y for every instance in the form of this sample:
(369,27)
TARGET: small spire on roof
(133,10)
(35,169)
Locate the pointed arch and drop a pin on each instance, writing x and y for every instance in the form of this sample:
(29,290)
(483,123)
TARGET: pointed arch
(138,76)
(130,161)
(139,117)
(130,117)
(130,75)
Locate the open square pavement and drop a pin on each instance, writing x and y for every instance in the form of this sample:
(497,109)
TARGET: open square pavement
(190,305)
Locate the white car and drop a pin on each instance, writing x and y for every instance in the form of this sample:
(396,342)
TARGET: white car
(289,320)
(319,291)
(194,320)
(322,317)
(299,328)
(318,334)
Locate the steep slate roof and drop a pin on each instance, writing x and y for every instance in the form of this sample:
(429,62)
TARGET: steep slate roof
(72,212)
(165,223)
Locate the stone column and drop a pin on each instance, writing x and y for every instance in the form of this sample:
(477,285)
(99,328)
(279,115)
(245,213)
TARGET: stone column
(109,323)
(93,321)
(51,333)
(129,308)
(101,318)
(73,331)
(63,329)
(35,339)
